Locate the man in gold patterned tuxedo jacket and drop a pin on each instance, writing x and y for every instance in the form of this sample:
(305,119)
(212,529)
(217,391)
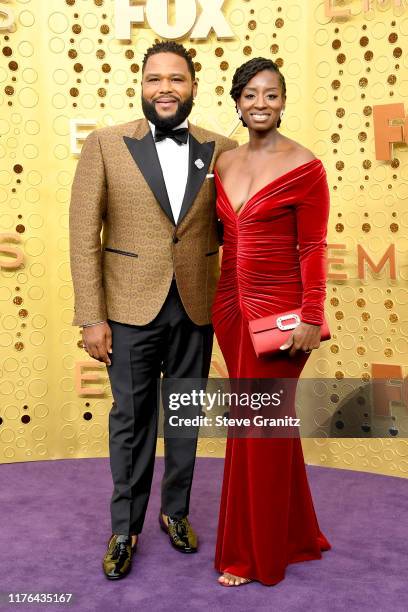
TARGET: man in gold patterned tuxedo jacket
(144,261)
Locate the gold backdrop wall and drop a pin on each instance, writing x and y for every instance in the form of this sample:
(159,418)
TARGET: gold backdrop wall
(61,61)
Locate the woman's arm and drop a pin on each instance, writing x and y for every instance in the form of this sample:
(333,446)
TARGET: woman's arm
(312,214)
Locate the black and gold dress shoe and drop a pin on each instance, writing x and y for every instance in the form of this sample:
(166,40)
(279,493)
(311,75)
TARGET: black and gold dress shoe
(181,534)
(118,558)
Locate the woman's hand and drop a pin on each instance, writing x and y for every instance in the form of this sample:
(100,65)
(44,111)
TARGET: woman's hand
(305,337)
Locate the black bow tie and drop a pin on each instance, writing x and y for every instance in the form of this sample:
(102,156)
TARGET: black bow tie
(180,136)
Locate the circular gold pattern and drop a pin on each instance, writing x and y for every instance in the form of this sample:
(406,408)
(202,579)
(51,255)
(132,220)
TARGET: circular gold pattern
(70,2)
(388,352)
(7,51)
(397,52)
(98,2)
(23,313)
(393,317)
(392,79)
(366,316)
(364,41)
(87,416)
(334,349)
(339,227)
(100,54)
(361,350)
(334,302)
(274,49)
(106,68)
(341,58)
(395,163)
(74,92)
(335,84)
(72,53)
(336,44)
(279,23)
(19,346)
(25,419)
(335,137)
(197,66)
(279,62)
(135,68)
(366,164)
(219,52)
(130,92)
(224,65)
(339,375)
(13,65)
(393,37)
(18,300)
(363,82)
(340,112)
(78,67)
(129,54)
(368,56)
(389,304)
(101,92)
(9,90)
(252,25)
(340,165)
(362,136)
(219,90)
(366,227)
(192,52)
(247,50)
(339,315)
(76,28)
(105,29)
(361,302)
(20,229)
(394,227)
(367,111)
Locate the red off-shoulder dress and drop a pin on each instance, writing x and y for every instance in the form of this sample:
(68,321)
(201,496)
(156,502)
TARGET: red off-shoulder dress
(273,260)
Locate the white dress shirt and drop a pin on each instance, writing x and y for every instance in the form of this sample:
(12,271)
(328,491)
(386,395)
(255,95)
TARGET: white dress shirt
(173,159)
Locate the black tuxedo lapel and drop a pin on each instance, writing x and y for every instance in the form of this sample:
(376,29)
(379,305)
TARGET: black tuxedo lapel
(201,153)
(145,155)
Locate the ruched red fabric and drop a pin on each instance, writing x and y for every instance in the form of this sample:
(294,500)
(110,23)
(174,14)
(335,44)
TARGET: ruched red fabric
(273,260)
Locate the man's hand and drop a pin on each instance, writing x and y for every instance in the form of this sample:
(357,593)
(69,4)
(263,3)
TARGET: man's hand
(305,337)
(97,341)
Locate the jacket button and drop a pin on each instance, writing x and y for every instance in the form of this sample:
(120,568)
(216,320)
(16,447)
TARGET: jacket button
(176,240)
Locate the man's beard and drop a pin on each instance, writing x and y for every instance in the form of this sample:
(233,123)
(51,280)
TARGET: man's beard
(167,123)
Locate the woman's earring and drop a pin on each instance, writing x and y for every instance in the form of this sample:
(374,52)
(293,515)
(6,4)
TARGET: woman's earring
(281,114)
(239,113)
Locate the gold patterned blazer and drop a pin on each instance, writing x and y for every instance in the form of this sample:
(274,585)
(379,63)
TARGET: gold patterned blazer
(125,247)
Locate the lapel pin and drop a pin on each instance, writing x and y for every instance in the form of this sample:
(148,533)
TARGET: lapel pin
(199,163)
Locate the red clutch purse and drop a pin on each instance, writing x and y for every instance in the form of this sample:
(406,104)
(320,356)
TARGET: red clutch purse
(269,333)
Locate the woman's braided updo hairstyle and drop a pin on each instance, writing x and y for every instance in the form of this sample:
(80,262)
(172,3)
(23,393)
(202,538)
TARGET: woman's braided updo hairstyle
(247,71)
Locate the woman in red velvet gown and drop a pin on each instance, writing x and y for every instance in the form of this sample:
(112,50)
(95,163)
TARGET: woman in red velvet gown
(273,202)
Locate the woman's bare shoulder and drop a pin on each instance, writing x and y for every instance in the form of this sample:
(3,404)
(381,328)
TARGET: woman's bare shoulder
(228,157)
(300,154)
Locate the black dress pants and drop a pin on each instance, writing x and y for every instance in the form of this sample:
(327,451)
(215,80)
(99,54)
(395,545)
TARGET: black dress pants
(173,345)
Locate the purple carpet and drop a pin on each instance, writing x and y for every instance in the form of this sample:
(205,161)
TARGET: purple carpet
(55,525)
